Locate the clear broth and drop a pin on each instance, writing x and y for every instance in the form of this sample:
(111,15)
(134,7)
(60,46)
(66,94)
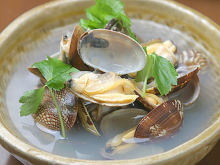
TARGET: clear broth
(83,145)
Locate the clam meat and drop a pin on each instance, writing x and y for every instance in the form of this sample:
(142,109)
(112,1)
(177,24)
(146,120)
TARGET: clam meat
(149,100)
(106,89)
(165,49)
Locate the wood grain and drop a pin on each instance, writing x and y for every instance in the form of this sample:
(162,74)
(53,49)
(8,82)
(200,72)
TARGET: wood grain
(10,9)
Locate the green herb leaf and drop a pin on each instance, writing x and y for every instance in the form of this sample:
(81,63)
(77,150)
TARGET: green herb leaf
(164,74)
(31,101)
(162,70)
(55,72)
(105,10)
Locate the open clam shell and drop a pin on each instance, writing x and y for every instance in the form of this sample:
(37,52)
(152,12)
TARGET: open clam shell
(192,57)
(121,120)
(73,56)
(68,49)
(85,118)
(101,111)
(162,121)
(189,94)
(111,51)
(185,75)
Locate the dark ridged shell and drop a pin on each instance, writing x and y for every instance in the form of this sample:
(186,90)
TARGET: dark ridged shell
(74,57)
(185,75)
(47,113)
(164,120)
(184,78)
(85,118)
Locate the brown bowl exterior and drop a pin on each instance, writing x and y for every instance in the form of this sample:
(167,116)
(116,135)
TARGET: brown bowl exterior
(37,23)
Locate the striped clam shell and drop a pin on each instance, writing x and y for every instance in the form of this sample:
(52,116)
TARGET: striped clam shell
(47,113)
(185,75)
(191,58)
(162,121)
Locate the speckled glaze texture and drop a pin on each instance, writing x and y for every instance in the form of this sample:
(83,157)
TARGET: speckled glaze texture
(37,23)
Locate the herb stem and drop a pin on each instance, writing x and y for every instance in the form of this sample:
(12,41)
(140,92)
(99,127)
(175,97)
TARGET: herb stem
(58,112)
(144,87)
(150,64)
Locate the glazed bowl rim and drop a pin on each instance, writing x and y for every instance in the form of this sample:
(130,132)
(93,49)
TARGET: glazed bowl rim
(26,151)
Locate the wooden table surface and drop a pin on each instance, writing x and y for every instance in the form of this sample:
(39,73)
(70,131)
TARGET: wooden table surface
(10,9)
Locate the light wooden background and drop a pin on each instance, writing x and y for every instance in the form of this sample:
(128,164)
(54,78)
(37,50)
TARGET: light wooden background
(10,9)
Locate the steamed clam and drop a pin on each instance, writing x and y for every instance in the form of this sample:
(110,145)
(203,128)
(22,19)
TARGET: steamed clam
(121,120)
(47,114)
(68,49)
(111,51)
(165,49)
(117,125)
(106,89)
(185,75)
(162,121)
(100,50)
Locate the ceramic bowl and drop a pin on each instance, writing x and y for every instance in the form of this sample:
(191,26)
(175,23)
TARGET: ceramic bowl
(37,33)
